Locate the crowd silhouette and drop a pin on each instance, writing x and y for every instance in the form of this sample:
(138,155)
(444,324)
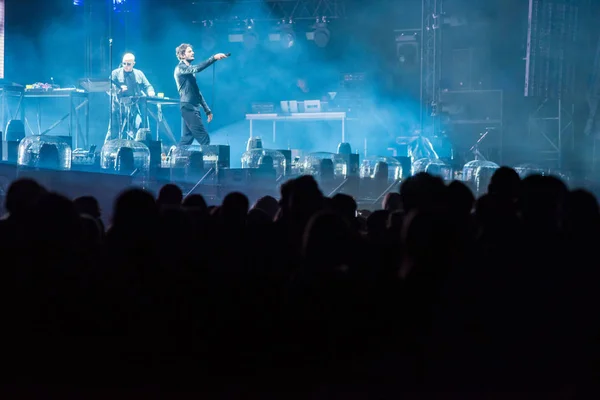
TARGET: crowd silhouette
(436,294)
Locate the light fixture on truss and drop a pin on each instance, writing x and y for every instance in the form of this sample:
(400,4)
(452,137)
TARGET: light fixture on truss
(244,33)
(320,34)
(284,34)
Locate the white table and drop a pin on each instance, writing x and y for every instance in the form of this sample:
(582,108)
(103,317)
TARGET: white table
(320,116)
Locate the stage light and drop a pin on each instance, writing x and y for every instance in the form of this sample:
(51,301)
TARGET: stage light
(284,34)
(244,33)
(320,33)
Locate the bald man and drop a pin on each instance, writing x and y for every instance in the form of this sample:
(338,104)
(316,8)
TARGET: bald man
(127,82)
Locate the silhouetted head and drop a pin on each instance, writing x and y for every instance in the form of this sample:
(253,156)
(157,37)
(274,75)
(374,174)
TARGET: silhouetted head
(301,196)
(326,240)
(170,195)
(269,205)
(344,205)
(305,192)
(88,205)
(22,194)
(257,217)
(542,201)
(377,223)
(57,222)
(505,183)
(460,198)
(492,212)
(392,202)
(234,208)
(134,207)
(427,239)
(423,192)
(195,201)
(91,230)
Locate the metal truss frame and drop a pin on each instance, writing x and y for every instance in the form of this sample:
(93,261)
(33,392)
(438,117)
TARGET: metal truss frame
(431,68)
(552,121)
(271,10)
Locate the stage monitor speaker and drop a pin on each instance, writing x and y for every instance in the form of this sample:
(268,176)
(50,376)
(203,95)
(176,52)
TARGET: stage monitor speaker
(48,156)
(352,164)
(196,162)
(326,169)
(288,160)
(155,147)
(381,171)
(406,166)
(216,156)
(125,163)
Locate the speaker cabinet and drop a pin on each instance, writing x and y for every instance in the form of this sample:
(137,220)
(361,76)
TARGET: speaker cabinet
(216,156)
(155,147)
(288,161)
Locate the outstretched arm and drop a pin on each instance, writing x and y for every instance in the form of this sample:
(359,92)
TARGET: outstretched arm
(192,69)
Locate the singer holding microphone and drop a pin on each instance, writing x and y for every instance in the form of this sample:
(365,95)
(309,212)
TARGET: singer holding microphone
(190,96)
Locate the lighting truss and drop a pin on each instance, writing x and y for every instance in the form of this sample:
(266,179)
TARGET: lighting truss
(550,71)
(551,130)
(271,10)
(430,65)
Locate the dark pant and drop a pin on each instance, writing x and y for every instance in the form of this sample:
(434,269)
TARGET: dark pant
(192,126)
